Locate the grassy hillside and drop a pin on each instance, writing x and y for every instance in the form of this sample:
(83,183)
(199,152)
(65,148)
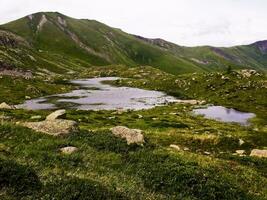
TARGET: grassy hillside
(60,43)
(92,42)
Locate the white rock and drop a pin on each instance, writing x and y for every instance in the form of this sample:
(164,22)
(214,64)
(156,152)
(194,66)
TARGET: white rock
(132,136)
(176,147)
(55,115)
(240,152)
(259,153)
(6,106)
(68,150)
(241,142)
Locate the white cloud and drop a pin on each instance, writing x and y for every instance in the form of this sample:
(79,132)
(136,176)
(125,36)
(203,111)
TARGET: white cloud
(185,22)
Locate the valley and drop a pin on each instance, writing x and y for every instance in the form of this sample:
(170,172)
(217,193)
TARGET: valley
(132,137)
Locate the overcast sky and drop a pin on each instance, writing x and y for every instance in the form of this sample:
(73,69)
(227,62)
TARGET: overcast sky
(185,22)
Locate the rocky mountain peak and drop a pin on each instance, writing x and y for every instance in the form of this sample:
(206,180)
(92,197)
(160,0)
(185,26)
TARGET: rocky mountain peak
(262,46)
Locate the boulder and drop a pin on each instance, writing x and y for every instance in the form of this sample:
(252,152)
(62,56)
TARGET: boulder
(68,150)
(132,136)
(6,106)
(259,153)
(175,147)
(56,127)
(55,115)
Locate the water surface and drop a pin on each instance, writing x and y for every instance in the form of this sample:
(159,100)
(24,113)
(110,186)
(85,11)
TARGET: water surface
(225,114)
(92,94)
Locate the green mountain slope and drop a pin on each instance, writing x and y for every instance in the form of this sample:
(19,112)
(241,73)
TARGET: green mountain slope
(60,44)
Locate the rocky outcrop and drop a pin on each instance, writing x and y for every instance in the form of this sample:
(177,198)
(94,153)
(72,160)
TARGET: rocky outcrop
(259,153)
(11,40)
(262,46)
(246,73)
(43,20)
(132,136)
(56,115)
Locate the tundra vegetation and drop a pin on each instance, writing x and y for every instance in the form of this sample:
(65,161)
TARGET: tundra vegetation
(179,155)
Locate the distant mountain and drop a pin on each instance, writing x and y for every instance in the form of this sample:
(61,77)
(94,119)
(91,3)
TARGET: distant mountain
(57,43)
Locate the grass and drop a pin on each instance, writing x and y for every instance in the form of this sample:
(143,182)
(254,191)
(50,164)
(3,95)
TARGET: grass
(84,43)
(105,167)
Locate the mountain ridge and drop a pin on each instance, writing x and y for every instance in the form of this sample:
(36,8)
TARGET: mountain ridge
(92,43)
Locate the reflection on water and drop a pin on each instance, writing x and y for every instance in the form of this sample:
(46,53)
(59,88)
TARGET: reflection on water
(225,114)
(94,95)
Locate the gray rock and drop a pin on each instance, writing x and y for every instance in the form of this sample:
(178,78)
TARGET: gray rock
(55,115)
(55,128)
(132,136)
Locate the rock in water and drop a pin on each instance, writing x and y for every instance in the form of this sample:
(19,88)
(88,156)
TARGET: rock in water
(259,153)
(68,150)
(132,136)
(6,106)
(56,127)
(55,115)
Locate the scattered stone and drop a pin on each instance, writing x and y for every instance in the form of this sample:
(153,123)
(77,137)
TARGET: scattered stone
(139,116)
(132,136)
(56,127)
(246,73)
(192,102)
(241,142)
(6,106)
(36,117)
(259,153)
(186,149)
(68,150)
(240,152)
(176,147)
(207,153)
(55,115)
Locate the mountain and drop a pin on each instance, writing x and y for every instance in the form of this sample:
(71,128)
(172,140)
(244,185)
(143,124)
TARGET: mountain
(52,42)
